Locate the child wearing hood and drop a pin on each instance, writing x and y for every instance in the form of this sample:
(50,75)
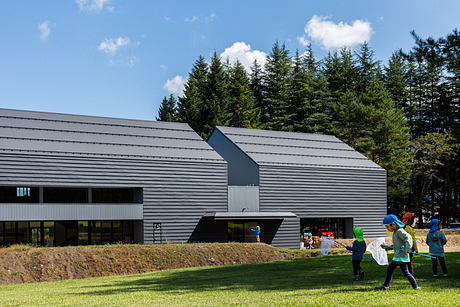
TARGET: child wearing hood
(436,240)
(408,220)
(358,248)
(402,240)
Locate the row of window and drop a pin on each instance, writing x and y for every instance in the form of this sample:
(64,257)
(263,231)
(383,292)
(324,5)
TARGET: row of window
(63,233)
(70,195)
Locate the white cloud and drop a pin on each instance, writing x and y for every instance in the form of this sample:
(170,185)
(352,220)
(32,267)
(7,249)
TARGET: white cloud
(94,5)
(166,18)
(191,19)
(210,18)
(45,30)
(242,52)
(175,85)
(304,42)
(331,36)
(163,67)
(111,45)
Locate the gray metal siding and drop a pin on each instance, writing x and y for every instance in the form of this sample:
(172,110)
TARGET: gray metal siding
(176,193)
(242,170)
(75,135)
(281,233)
(70,212)
(243,199)
(323,192)
(293,148)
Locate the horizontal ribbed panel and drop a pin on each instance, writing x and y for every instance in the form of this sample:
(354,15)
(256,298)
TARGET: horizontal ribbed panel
(70,212)
(289,148)
(51,133)
(175,193)
(322,192)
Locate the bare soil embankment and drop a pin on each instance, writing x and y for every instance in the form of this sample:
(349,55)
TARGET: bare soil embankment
(20,264)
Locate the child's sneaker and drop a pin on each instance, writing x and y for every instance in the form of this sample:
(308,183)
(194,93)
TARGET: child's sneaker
(445,275)
(434,276)
(356,278)
(361,275)
(381,287)
(418,288)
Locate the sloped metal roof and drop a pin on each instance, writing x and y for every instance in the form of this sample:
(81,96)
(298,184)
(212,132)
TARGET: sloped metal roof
(294,148)
(76,135)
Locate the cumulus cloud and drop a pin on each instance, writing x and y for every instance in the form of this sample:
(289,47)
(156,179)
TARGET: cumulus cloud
(175,85)
(331,35)
(304,42)
(111,45)
(242,52)
(191,19)
(210,18)
(94,5)
(44,29)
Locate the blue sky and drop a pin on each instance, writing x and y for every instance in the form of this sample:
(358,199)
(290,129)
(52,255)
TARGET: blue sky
(114,58)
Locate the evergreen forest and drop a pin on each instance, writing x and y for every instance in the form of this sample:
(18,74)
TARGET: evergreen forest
(403,114)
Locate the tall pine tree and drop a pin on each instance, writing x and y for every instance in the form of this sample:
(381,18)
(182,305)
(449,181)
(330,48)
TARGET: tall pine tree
(276,88)
(168,110)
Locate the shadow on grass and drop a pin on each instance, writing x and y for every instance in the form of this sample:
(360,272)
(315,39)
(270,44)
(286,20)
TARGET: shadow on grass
(332,273)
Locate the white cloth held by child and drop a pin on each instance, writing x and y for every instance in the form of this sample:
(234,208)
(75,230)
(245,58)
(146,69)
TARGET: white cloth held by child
(378,253)
(326,244)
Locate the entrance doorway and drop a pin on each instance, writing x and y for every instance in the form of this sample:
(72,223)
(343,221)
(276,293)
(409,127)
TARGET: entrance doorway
(241,231)
(341,228)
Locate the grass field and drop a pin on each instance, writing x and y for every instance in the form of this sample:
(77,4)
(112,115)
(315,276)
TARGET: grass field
(324,281)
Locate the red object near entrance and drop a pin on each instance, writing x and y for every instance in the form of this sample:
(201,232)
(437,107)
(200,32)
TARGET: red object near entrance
(324,233)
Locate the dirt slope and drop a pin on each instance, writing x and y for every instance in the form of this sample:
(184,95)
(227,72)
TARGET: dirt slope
(20,264)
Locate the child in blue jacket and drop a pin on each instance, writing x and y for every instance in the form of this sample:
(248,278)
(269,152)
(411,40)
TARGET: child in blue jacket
(436,241)
(358,248)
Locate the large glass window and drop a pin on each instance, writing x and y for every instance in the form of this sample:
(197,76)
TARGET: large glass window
(65,195)
(48,233)
(19,195)
(339,227)
(95,232)
(117,232)
(23,232)
(83,233)
(241,231)
(116,195)
(10,233)
(106,232)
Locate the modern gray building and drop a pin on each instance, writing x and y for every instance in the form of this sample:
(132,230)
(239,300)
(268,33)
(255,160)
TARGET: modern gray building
(68,179)
(71,179)
(319,179)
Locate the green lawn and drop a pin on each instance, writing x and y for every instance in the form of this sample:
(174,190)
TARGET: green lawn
(324,281)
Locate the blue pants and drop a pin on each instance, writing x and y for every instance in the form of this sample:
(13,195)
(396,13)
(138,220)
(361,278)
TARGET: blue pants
(434,261)
(405,271)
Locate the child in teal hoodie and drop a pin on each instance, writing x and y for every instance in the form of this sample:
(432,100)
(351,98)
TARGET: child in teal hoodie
(436,240)
(358,249)
(403,242)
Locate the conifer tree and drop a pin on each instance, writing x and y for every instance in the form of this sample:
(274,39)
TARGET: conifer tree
(368,69)
(276,88)
(168,110)
(191,104)
(243,111)
(256,85)
(215,111)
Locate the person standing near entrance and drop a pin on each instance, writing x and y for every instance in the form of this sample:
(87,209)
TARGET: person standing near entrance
(257,231)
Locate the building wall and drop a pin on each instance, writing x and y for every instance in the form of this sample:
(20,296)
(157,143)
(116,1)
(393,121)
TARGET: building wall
(176,193)
(242,170)
(326,192)
(281,233)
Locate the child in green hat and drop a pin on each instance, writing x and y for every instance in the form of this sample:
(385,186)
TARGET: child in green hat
(358,248)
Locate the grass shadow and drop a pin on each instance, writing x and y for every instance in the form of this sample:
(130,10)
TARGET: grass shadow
(330,274)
